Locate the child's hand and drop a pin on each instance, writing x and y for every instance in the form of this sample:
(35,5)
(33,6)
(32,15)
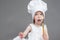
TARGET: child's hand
(21,35)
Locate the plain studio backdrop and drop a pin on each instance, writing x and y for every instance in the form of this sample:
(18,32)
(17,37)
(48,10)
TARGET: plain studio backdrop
(14,18)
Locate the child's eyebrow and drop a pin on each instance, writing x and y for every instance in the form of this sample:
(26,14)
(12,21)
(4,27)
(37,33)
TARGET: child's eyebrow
(41,13)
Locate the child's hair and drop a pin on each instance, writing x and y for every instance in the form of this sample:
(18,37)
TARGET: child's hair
(34,21)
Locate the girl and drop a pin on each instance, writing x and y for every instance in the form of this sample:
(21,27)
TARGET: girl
(36,30)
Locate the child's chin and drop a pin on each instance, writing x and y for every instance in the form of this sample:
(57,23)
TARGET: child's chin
(39,22)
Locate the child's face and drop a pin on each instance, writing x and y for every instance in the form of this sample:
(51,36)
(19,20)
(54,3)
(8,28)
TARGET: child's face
(39,17)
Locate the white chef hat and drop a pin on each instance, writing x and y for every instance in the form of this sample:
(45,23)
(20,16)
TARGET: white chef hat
(37,5)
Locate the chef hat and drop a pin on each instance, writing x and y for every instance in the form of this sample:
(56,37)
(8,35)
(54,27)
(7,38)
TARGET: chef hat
(37,5)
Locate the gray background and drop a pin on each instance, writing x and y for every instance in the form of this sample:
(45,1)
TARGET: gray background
(14,18)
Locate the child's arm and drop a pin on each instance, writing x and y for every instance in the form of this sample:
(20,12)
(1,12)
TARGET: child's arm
(45,36)
(28,29)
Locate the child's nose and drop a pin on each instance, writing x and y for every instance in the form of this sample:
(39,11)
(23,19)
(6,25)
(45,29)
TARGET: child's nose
(39,16)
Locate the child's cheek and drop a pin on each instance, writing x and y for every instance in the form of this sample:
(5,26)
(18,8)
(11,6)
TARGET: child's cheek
(42,17)
(35,17)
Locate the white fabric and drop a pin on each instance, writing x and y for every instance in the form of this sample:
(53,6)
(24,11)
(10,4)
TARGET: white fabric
(35,34)
(18,38)
(37,5)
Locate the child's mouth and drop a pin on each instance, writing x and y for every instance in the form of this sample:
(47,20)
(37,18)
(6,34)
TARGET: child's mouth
(38,20)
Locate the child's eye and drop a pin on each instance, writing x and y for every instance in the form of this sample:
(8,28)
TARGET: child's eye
(41,14)
(36,14)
